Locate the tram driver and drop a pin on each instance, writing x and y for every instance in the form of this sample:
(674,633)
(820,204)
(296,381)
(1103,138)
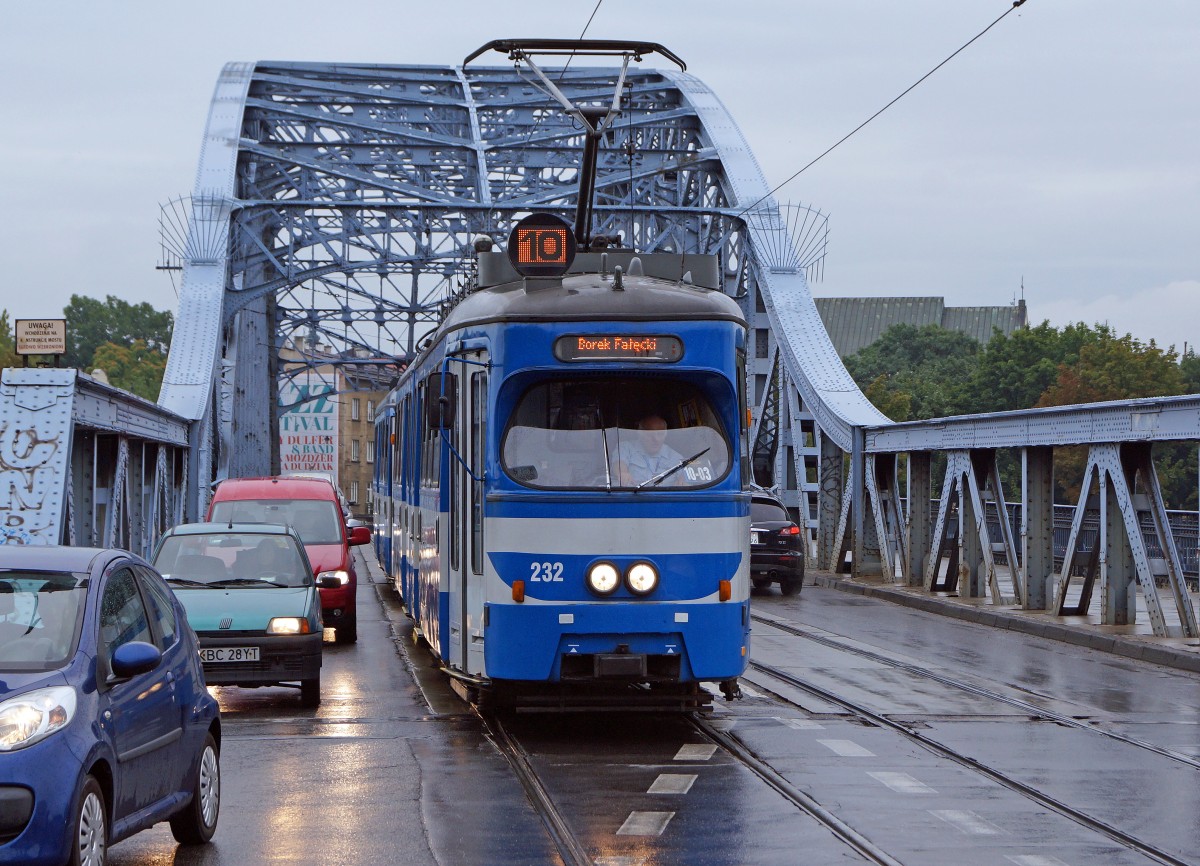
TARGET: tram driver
(648,455)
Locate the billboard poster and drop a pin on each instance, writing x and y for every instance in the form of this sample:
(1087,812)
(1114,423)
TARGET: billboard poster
(308,432)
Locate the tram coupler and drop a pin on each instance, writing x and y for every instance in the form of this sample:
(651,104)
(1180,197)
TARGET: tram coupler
(731,690)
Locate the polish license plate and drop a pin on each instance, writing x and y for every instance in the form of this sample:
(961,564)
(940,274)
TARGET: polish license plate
(755,538)
(229,654)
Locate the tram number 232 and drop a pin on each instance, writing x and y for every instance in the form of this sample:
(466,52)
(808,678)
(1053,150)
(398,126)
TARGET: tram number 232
(547,572)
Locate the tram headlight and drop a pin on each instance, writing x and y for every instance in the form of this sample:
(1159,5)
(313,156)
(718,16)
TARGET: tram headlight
(603,578)
(641,578)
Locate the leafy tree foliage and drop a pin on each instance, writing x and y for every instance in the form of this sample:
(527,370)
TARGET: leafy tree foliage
(1189,368)
(1015,369)
(896,404)
(929,368)
(1115,368)
(135,368)
(918,373)
(8,344)
(91,323)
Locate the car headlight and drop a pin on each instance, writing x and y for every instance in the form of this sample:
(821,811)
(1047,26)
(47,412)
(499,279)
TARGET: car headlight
(287,625)
(603,578)
(641,578)
(34,716)
(342,577)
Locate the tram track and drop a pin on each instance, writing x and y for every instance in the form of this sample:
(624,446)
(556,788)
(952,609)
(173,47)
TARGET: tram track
(1032,710)
(803,801)
(569,846)
(1046,801)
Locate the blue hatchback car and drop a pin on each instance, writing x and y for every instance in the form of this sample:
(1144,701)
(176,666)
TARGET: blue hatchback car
(106,726)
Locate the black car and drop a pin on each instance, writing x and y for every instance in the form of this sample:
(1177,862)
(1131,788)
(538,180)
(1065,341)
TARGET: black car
(776,546)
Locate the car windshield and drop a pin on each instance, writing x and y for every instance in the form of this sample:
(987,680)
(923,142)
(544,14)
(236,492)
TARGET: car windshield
(40,616)
(615,433)
(764,511)
(225,560)
(316,520)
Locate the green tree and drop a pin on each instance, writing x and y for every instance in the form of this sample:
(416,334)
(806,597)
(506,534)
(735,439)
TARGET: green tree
(91,323)
(1015,369)
(929,367)
(8,344)
(1119,368)
(894,403)
(136,368)
(1189,368)
(1116,368)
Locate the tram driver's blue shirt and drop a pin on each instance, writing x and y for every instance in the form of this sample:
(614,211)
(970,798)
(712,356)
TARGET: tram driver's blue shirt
(642,465)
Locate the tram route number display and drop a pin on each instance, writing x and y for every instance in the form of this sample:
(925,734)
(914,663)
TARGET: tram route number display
(541,245)
(618,347)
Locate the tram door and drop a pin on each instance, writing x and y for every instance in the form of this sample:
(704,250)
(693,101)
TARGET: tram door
(466,516)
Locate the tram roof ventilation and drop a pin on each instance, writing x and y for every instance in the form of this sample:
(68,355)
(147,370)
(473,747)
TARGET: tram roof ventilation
(495,268)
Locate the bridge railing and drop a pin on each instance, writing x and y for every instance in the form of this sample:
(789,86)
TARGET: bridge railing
(1118,537)
(86,464)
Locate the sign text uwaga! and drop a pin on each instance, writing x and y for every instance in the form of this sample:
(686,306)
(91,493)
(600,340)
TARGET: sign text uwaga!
(41,336)
(618,347)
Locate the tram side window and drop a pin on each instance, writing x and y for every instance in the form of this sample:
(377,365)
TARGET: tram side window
(612,432)
(422,424)
(478,443)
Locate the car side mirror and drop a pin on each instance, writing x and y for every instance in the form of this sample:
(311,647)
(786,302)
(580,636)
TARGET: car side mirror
(135,657)
(360,535)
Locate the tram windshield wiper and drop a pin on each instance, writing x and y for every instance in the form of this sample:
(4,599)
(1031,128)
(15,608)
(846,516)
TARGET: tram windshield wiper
(663,476)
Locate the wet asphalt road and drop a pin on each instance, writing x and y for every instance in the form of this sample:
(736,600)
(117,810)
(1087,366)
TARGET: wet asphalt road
(393,769)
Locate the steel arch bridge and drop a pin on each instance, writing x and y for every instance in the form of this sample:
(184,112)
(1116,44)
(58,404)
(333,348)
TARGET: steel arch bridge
(338,204)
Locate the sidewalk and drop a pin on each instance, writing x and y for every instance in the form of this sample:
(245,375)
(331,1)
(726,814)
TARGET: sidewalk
(1136,641)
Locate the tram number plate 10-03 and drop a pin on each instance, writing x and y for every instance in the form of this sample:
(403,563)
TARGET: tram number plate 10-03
(229,654)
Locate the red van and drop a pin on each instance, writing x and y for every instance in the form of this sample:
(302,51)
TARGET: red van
(310,506)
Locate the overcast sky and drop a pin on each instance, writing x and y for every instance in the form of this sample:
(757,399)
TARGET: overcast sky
(1061,149)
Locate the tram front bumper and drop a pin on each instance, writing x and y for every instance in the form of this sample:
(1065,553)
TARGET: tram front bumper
(669,642)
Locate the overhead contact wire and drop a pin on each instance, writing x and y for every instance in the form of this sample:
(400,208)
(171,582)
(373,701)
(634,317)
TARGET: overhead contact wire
(913,86)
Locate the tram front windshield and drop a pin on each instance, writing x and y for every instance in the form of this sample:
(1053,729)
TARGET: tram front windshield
(615,433)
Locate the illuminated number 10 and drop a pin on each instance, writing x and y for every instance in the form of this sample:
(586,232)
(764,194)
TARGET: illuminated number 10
(544,245)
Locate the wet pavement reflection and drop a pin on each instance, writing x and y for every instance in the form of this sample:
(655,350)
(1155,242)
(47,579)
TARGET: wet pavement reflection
(393,768)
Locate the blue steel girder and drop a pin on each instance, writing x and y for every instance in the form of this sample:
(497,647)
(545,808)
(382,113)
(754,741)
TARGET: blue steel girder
(342,202)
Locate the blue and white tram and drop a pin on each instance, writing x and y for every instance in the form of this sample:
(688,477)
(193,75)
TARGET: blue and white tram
(562,483)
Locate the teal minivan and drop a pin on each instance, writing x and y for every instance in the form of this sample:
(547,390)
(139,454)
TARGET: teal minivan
(250,596)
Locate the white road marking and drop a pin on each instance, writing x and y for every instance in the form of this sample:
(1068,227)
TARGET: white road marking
(847,748)
(749,691)
(902,783)
(672,783)
(1034,860)
(620,861)
(800,724)
(645,823)
(695,752)
(966,821)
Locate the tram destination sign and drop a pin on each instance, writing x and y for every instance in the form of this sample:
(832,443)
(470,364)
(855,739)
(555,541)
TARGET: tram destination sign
(618,347)
(40,336)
